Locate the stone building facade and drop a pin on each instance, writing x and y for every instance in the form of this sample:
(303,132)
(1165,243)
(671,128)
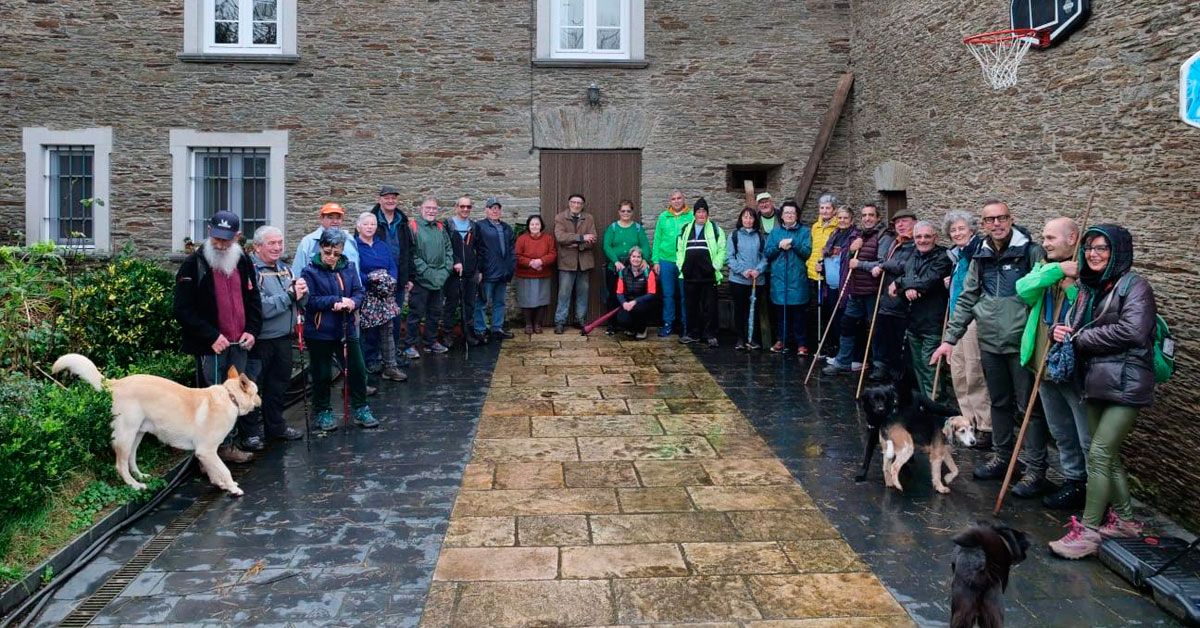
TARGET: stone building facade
(445,97)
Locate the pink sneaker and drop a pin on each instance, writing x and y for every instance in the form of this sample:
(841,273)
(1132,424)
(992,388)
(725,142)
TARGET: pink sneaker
(1117,528)
(1080,541)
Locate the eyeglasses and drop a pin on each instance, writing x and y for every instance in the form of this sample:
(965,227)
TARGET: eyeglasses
(1098,248)
(987,220)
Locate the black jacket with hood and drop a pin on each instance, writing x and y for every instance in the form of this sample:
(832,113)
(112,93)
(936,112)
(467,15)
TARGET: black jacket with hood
(1114,318)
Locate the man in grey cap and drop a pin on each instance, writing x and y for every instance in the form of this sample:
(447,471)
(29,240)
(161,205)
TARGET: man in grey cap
(497,263)
(394,230)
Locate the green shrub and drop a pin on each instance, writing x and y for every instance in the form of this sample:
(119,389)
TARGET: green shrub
(34,291)
(177,367)
(124,313)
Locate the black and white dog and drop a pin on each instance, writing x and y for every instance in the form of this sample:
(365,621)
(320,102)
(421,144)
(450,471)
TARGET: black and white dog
(900,404)
(983,556)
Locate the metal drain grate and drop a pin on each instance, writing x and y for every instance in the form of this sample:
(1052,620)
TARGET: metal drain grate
(91,606)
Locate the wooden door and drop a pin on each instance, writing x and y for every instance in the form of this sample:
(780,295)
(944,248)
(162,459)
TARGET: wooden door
(604,178)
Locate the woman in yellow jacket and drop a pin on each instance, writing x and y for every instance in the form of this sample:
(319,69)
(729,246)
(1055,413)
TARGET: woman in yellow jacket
(822,228)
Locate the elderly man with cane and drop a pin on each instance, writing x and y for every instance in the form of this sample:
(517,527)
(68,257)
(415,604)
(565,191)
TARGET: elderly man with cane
(989,297)
(923,285)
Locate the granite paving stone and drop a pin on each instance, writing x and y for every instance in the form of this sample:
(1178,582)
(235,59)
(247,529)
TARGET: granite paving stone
(600,474)
(516,475)
(557,530)
(623,561)
(499,563)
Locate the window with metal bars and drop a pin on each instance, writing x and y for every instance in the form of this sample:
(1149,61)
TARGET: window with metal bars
(69,186)
(232,179)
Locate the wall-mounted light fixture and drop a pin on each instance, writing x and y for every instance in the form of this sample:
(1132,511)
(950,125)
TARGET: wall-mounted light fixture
(593,95)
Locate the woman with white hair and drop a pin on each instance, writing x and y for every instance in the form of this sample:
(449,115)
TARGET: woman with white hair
(378,272)
(966,370)
(822,229)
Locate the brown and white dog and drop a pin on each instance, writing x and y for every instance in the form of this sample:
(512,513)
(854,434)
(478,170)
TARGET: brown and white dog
(899,441)
(194,419)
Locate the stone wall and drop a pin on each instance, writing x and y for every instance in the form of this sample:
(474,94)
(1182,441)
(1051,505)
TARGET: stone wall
(1097,113)
(436,97)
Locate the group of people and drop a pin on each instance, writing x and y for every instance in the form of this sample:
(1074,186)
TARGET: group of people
(992,303)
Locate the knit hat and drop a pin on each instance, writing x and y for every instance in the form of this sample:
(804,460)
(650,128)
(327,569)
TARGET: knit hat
(699,205)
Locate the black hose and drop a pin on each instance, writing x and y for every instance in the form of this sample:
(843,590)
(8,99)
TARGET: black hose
(37,602)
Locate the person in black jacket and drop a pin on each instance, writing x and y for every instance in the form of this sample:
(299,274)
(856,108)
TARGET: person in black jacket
(218,306)
(923,286)
(891,322)
(498,262)
(637,294)
(463,285)
(393,229)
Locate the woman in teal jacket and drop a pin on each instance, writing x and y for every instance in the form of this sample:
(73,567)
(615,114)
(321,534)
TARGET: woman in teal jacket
(788,247)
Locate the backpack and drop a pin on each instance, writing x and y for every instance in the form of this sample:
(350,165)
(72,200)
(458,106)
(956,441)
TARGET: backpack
(412,226)
(1164,340)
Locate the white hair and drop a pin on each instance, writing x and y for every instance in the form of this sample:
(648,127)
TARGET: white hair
(828,198)
(925,224)
(363,216)
(261,233)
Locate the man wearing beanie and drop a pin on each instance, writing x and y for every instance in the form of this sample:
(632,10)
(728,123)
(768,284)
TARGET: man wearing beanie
(700,254)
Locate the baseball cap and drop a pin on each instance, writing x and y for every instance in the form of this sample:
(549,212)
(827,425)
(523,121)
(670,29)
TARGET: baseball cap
(492,200)
(224,225)
(384,190)
(762,196)
(331,208)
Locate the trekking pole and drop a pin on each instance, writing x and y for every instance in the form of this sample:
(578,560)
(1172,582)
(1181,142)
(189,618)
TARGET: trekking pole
(937,371)
(346,369)
(753,299)
(833,316)
(1037,379)
(862,373)
(303,380)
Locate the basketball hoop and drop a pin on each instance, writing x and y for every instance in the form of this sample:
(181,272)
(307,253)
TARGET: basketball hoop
(1000,52)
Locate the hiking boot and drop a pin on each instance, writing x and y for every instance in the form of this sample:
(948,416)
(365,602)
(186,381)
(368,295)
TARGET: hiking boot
(364,419)
(834,368)
(686,339)
(289,433)
(252,443)
(232,454)
(1117,528)
(372,390)
(375,368)
(1033,485)
(394,374)
(503,333)
(712,343)
(739,346)
(324,421)
(537,328)
(412,353)
(778,348)
(995,468)
(559,328)
(855,367)
(438,348)
(753,346)
(1070,496)
(641,335)
(664,331)
(1080,541)
(529,329)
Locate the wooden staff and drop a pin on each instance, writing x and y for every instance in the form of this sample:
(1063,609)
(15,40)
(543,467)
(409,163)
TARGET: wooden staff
(833,316)
(937,371)
(1037,379)
(870,334)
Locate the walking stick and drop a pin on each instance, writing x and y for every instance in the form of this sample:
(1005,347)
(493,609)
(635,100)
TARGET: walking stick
(862,373)
(825,335)
(753,301)
(303,380)
(1037,379)
(937,371)
(346,369)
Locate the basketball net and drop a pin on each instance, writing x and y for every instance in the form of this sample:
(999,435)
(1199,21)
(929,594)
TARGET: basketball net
(1000,53)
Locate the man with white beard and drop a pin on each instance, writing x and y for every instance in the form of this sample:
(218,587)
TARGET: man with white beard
(218,306)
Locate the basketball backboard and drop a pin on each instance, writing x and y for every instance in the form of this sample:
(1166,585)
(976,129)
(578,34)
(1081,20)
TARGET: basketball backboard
(1189,91)
(1059,17)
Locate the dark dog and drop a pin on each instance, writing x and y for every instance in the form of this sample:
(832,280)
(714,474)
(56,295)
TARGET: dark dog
(898,403)
(983,556)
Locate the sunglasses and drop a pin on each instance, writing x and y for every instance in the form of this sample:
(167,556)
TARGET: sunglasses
(467,206)
(987,220)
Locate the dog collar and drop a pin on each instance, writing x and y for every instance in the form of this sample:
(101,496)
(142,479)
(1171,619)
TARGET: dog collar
(233,399)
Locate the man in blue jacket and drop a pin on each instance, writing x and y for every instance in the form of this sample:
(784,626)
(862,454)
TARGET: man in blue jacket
(497,263)
(393,229)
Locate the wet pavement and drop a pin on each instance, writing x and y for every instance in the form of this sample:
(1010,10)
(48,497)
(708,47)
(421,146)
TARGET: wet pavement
(905,538)
(609,484)
(347,533)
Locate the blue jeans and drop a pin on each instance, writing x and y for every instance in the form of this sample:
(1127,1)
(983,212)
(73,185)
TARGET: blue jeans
(580,281)
(1068,423)
(490,293)
(672,295)
(855,317)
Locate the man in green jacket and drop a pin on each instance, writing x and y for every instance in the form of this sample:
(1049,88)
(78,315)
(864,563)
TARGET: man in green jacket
(989,297)
(700,255)
(1047,289)
(666,235)
(432,262)
(619,237)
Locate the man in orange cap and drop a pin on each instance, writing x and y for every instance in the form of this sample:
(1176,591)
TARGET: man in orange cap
(331,215)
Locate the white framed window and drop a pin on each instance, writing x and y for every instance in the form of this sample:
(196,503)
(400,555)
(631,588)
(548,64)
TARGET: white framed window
(231,30)
(239,172)
(67,187)
(591,30)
